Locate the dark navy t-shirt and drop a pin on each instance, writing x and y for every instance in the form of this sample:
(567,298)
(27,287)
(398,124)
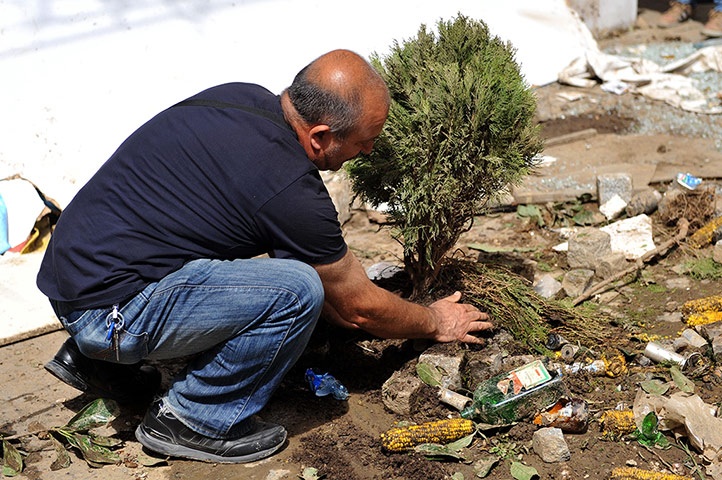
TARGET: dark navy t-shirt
(196,181)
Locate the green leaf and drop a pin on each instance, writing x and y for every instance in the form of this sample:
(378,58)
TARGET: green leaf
(429,374)
(95,455)
(461,443)
(523,472)
(483,467)
(682,382)
(12,460)
(654,387)
(97,413)
(583,217)
(457,476)
(435,451)
(104,441)
(310,473)
(531,212)
(62,457)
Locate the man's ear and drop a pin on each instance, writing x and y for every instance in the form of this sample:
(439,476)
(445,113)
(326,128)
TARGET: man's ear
(320,137)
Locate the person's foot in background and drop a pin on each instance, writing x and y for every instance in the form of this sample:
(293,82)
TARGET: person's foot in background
(713,27)
(678,12)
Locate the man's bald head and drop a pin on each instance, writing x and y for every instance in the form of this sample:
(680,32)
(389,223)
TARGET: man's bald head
(336,89)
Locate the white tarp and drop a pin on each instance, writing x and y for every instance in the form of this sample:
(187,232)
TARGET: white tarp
(668,83)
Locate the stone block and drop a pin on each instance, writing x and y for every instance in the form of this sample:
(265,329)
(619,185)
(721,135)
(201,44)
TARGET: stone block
(611,264)
(550,445)
(611,184)
(449,363)
(547,286)
(400,391)
(587,246)
(576,281)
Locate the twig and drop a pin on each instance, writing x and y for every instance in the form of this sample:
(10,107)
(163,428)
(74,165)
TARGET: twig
(638,264)
(665,463)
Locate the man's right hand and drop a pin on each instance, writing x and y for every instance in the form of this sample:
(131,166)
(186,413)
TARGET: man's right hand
(458,321)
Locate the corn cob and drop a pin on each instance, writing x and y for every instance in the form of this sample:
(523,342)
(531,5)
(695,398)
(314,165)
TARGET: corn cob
(615,366)
(703,236)
(632,473)
(702,311)
(399,439)
(617,423)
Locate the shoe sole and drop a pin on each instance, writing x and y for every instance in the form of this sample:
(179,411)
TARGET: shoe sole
(712,33)
(62,373)
(175,450)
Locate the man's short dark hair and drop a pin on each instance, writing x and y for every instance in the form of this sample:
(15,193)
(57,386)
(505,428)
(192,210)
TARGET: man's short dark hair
(317,105)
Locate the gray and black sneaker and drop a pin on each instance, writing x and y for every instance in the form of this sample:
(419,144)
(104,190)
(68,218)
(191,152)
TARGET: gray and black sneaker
(162,432)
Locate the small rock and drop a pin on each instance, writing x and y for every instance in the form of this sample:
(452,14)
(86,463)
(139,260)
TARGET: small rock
(576,281)
(681,283)
(448,363)
(717,252)
(550,445)
(611,264)
(613,207)
(670,317)
(611,184)
(547,286)
(587,246)
(399,392)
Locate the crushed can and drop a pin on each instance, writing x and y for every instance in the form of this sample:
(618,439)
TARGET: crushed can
(688,181)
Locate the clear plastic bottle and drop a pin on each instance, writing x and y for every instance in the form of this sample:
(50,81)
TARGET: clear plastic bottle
(325,384)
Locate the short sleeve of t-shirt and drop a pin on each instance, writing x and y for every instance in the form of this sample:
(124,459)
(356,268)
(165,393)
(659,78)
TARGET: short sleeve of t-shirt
(306,230)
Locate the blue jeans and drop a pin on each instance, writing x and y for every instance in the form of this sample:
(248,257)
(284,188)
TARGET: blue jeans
(717,3)
(247,321)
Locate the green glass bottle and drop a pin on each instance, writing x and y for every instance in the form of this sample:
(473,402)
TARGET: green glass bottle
(516,395)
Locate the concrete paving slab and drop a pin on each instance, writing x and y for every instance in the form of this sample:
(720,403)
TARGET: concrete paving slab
(648,159)
(24,310)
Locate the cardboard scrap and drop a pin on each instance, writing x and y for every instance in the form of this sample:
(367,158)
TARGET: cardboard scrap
(687,415)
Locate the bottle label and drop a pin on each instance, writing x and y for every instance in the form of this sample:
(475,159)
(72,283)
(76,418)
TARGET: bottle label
(524,378)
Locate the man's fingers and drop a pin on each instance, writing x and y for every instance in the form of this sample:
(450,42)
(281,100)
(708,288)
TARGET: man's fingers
(480,326)
(473,339)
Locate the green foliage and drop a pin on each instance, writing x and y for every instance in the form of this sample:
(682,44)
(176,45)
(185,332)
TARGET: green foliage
(703,269)
(518,309)
(95,449)
(460,130)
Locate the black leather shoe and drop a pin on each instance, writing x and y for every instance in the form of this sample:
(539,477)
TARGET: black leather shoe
(122,383)
(163,433)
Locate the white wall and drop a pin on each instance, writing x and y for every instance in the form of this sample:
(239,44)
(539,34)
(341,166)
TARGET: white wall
(605,16)
(78,76)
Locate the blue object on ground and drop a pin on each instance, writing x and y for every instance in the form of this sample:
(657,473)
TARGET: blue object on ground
(4,244)
(325,384)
